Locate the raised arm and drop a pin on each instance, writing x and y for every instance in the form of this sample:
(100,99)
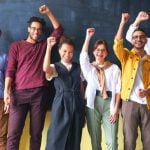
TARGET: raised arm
(142,16)
(89,33)
(84,58)
(47,68)
(124,20)
(44,9)
(118,46)
(58,29)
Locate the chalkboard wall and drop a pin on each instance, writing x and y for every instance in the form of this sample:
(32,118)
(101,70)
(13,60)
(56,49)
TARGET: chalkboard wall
(74,15)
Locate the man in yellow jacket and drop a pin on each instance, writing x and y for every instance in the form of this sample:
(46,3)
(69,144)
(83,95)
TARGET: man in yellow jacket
(135,90)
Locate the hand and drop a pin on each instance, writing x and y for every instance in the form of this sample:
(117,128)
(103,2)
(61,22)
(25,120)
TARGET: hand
(114,116)
(125,17)
(51,41)
(90,32)
(143,92)
(44,9)
(7,102)
(142,16)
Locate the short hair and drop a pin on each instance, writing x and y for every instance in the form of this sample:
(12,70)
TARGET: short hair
(36,19)
(101,42)
(139,29)
(65,40)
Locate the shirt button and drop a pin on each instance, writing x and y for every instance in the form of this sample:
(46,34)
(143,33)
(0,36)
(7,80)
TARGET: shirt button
(131,77)
(128,88)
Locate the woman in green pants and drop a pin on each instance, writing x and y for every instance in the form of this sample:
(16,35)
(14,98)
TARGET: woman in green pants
(102,93)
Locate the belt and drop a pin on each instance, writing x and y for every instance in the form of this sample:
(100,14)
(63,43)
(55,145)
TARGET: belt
(109,93)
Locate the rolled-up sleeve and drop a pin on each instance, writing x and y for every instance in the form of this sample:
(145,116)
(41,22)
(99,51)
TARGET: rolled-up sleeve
(85,64)
(57,33)
(119,50)
(55,74)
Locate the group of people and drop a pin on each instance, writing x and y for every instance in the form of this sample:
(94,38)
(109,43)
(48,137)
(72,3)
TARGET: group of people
(29,66)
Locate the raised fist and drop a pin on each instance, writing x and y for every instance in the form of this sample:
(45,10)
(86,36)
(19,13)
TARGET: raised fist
(125,17)
(90,32)
(44,9)
(142,16)
(51,41)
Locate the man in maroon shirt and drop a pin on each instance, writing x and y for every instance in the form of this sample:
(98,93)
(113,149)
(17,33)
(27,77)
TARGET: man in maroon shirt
(25,84)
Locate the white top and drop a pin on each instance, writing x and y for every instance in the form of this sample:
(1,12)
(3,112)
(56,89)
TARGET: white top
(113,81)
(129,38)
(138,84)
(55,74)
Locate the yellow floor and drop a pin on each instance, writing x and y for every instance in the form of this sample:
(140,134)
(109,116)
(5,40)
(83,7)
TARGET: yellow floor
(85,144)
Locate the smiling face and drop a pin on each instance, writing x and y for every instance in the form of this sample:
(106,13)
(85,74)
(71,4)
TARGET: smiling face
(66,52)
(100,51)
(139,40)
(35,31)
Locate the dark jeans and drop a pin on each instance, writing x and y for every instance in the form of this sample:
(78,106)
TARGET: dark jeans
(34,101)
(135,115)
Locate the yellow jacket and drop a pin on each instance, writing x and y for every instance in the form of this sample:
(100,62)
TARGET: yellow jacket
(129,62)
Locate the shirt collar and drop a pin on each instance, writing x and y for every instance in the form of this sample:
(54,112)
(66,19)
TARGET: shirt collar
(68,66)
(145,57)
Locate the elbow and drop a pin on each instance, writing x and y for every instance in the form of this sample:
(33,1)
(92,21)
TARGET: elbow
(58,33)
(128,37)
(44,68)
(47,70)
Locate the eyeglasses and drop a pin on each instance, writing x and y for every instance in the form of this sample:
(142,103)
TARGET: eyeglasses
(36,29)
(138,37)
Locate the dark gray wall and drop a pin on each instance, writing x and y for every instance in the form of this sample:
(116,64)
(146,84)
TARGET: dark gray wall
(75,16)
